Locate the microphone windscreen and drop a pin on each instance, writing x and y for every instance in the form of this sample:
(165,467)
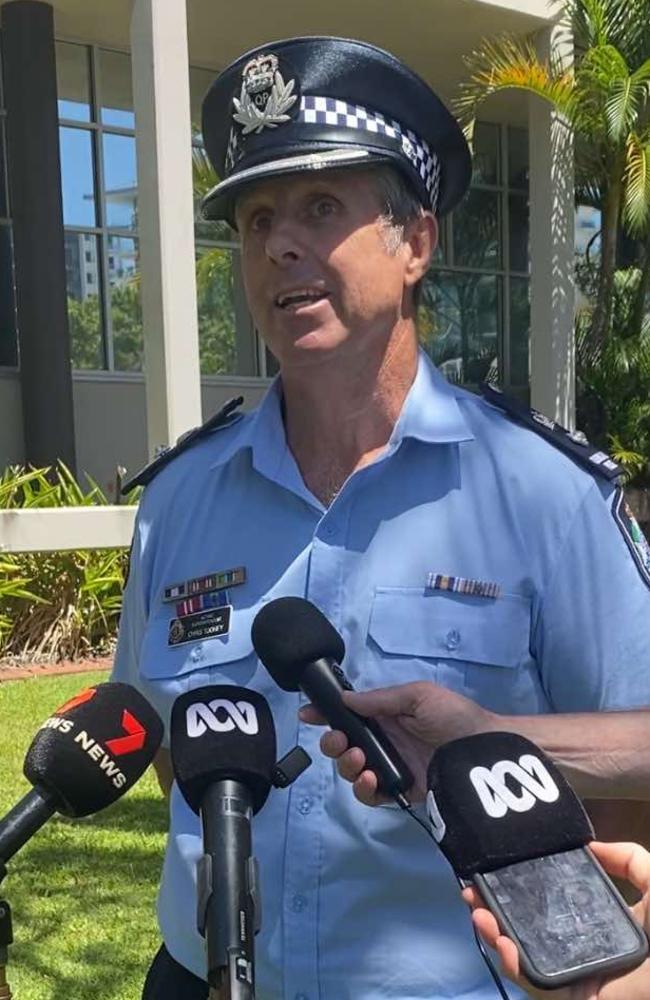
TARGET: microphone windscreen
(222,732)
(94,748)
(496,799)
(289,633)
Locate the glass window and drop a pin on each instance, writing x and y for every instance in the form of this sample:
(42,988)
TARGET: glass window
(73,81)
(459,324)
(4,201)
(77,177)
(121,181)
(518,232)
(125,305)
(518,158)
(485,146)
(200,82)
(84,304)
(8,339)
(116,89)
(476,230)
(216,306)
(519,331)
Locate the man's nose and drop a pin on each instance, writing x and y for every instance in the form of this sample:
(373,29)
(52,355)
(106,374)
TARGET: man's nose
(283,242)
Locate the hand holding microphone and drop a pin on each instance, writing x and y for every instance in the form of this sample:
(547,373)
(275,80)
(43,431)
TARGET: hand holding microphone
(302,650)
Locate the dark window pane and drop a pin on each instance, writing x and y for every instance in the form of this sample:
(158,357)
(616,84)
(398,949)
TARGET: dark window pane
(121,182)
(77,177)
(518,158)
(83,285)
(125,305)
(216,306)
(200,81)
(116,89)
(485,145)
(73,81)
(476,230)
(519,331)
(8,339)
(458,325)
(518,231)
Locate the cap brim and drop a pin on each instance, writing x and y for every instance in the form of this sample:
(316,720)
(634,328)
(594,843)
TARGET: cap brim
(218,203)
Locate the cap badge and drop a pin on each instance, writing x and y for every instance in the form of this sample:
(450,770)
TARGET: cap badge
(265,98)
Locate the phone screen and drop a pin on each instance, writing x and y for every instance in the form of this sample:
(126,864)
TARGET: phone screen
(563,911)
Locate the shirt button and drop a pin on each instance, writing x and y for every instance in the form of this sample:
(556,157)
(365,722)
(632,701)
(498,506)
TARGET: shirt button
(301,996)
(298,903)
(196,654)
(330,529)
(305,805)
(452,640)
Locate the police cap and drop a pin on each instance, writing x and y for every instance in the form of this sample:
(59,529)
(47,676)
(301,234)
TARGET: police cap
(320,103)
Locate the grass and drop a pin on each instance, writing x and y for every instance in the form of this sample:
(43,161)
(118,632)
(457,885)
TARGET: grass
(82,892)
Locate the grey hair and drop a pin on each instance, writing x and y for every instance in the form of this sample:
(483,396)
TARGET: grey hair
(400,205)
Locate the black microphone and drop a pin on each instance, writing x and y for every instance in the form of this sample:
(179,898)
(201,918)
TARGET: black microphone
(84,757)
(301,649)
(508,821)
(223,750)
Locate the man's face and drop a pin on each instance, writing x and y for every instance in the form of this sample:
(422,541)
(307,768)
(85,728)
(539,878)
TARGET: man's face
(318,275)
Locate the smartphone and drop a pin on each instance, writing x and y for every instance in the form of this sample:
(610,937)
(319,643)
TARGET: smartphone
(566,917)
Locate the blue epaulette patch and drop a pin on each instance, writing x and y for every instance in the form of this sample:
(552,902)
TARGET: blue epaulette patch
(572,443)
(222,418)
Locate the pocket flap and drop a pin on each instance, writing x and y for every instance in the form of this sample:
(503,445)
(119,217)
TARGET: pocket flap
(414,622)
(159,660)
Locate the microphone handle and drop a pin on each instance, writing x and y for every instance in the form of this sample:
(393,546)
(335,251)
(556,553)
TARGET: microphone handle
(25,819)
(324,682)
(227,889)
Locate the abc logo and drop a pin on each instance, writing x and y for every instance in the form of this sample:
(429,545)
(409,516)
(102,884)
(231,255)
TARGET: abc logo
(221,716)
(497,796)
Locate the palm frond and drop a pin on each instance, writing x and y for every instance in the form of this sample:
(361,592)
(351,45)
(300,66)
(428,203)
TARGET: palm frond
(636,197)
(507,63)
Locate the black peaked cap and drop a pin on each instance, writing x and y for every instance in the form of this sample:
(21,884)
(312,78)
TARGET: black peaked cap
(320,103)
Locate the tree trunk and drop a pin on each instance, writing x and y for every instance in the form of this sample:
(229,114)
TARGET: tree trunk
(602,318)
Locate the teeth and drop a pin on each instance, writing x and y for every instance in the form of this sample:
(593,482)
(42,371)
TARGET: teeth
(300,295)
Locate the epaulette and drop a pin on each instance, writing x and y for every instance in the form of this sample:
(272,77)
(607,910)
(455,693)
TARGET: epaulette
(222,418)
(572,443)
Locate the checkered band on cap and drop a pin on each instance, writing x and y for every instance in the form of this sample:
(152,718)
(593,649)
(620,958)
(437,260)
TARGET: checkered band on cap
(330,111)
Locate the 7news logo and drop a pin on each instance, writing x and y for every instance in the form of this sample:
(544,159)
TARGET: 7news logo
(221,716)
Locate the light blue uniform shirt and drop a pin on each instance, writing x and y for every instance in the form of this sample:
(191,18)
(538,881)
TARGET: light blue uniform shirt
(357,903)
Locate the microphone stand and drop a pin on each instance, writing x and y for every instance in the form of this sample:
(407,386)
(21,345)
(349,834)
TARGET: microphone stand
(6,938)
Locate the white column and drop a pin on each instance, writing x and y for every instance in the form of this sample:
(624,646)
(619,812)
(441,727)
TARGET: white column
(552,353)
(165,217)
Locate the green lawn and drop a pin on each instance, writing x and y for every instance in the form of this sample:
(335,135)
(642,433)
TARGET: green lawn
(82,891)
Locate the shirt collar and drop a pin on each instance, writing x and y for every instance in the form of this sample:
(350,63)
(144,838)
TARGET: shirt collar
(430,413)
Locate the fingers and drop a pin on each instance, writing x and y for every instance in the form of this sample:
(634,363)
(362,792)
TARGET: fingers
(311,715)
(627,861)
(400,699)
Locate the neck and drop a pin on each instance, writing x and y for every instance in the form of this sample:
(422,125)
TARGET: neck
(342,419)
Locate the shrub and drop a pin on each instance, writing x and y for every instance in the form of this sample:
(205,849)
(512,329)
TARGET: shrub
(57,605)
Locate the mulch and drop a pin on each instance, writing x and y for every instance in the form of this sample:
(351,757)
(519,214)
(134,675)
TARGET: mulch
(21,671)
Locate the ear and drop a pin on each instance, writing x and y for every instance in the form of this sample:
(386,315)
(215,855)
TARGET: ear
(421,238)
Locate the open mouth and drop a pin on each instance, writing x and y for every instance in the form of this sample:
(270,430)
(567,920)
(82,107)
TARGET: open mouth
(300,297)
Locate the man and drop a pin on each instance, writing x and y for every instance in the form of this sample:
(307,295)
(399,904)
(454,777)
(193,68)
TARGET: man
(361,482)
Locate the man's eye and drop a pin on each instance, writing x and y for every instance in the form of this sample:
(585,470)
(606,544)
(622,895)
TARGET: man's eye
(259,222)
(324,207)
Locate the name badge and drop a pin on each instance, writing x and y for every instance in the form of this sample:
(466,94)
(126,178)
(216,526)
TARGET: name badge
(210,624)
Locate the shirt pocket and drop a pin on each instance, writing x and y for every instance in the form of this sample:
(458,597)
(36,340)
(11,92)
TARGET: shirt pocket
(457,640)
(226,659)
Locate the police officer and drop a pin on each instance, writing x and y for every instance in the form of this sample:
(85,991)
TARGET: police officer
(446,539)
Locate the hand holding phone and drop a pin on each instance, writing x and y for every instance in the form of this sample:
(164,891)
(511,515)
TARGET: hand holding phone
(628,861)
(510,824)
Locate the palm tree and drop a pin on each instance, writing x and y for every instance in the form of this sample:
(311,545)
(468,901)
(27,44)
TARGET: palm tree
(605,100)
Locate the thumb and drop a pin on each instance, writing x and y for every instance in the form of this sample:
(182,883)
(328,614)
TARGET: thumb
(385,702)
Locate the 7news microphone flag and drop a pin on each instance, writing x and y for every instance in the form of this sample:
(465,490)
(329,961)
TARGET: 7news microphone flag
(89,752)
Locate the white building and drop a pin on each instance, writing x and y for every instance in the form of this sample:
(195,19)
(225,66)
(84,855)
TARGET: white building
(97,190)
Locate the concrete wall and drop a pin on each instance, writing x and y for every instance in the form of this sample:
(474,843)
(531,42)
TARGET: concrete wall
(110,420)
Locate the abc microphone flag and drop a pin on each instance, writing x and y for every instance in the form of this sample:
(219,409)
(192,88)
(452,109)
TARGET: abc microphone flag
(83,758)
(496,799)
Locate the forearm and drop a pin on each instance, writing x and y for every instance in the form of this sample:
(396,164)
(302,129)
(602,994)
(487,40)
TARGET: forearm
(604,755)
